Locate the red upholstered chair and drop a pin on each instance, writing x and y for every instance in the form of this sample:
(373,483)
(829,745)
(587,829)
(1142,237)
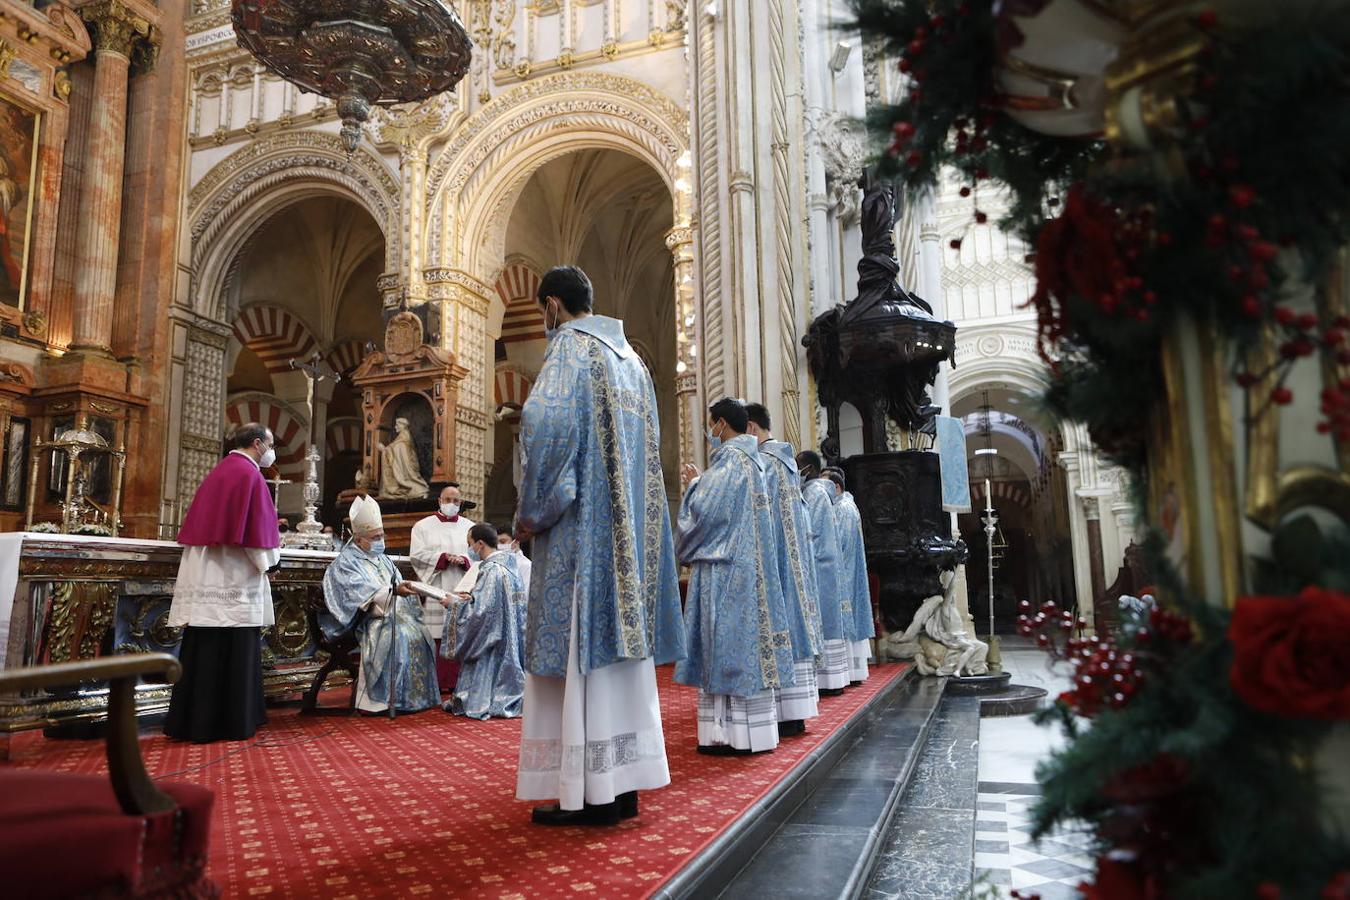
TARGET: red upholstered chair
(69,836)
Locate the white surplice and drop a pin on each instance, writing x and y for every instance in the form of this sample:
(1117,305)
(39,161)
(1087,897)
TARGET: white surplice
(590,738)
(859,652)
(430,538)
(223,587)
(743,723)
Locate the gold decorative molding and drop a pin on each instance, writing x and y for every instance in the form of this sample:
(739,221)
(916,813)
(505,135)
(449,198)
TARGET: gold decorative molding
(7,55)
(1221,463)
(1261,503)
(570,59)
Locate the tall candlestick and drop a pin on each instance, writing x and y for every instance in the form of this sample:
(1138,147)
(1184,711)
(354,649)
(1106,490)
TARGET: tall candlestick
(988,497)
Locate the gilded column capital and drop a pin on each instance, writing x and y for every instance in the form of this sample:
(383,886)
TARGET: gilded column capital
(120,30)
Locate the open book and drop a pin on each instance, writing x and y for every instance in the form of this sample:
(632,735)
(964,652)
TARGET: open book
(427,590)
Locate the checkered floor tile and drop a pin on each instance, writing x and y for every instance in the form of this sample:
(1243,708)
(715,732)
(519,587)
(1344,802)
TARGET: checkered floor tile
(1006,857)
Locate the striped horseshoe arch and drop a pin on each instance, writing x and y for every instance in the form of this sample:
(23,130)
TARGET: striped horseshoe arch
(290,431)
(275,335)
(343,434)
(516,287)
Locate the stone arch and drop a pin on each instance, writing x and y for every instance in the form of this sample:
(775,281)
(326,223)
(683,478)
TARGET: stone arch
(289,427)
(344,356)
(473,182)
(343,435)
(242,192)
(510,387)
(1004,357)
(517,286)
(275,334)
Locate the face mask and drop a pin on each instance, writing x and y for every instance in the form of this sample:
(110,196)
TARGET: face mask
(377,546)
(550,330)
(268,458)
(713,440)
(473,555)
(449,510)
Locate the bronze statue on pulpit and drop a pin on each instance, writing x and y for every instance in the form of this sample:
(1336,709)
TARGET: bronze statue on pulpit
(880,353)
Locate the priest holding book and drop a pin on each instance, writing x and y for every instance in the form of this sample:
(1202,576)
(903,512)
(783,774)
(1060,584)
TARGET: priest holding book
(363,589)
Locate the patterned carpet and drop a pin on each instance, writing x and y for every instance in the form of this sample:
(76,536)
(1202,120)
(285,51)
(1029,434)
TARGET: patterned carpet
(425,805)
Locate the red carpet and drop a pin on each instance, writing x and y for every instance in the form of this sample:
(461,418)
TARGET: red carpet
(425,805)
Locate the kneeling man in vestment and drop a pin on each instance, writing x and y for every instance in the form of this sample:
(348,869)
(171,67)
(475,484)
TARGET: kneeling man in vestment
(486,633)
(398,657)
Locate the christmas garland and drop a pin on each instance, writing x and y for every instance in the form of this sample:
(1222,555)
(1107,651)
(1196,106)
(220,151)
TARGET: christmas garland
(1120,252)
(1197,772)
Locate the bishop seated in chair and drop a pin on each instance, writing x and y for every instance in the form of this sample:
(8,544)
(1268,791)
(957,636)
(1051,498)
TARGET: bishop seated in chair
(398,657)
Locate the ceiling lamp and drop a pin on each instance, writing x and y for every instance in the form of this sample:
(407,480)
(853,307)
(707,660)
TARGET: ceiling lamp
(360,53)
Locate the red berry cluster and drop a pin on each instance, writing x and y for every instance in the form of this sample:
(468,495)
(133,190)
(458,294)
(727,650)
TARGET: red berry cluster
(1127,295)
(1338,888)
(1336,409)
(1167,625)
(1301,339)
(1106,675)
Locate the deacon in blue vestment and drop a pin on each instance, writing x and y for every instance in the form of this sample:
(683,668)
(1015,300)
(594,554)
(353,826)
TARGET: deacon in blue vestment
(604,595)
(832,672)
(859,626)
(736,625)
(398,657)
(486,633)
(793,550)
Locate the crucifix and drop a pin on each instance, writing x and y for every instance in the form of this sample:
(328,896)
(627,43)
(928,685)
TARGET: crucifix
(276,484)
(309,533)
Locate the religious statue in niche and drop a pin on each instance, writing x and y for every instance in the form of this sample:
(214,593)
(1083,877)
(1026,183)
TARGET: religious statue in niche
(400,472)
(941,638)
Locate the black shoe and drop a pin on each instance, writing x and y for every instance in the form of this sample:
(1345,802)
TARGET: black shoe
(628,804)
(721,750)
(791,728)
(599,814)
(831,692)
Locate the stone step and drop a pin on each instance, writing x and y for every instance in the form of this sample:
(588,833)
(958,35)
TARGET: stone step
(817,834)
(929,851)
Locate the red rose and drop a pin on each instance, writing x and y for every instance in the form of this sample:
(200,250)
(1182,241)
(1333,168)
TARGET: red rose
(1287,654)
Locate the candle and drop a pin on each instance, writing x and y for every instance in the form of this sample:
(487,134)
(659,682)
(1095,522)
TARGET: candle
(988,497)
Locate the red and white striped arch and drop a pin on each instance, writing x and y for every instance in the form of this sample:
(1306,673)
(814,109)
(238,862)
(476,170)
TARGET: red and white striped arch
(510,388)
(276,335)
(517,286)
(290,432)
(1013,492)
(345,356)
(342,435)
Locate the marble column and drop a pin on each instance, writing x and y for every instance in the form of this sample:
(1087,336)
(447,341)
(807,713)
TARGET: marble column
(930,273)
(117,31)
(680,242)
(1104,618)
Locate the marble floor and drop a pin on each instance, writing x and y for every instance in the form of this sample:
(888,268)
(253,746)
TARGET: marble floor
(1005,857)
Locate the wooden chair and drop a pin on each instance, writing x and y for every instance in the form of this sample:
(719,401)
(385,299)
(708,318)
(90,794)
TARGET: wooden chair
(339,650)
(134,838)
